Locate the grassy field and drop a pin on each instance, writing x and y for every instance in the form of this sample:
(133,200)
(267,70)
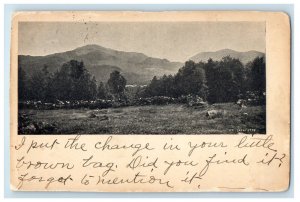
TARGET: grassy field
(166,119)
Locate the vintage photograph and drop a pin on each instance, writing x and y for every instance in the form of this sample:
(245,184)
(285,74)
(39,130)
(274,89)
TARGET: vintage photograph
(142,77)
(170,101)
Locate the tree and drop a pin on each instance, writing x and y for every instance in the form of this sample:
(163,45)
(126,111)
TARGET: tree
(257,75)
(102,91)
(191,79)
(47,83)
(37,86)
(168,85)
(22,85)
(61,85)
(116,84)
(225,79)
(93,88)
(73,82)
(153,88)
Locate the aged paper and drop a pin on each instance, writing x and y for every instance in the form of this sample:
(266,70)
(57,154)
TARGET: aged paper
(150,102)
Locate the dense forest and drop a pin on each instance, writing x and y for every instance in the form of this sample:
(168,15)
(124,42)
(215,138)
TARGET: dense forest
(214,81)
(227,80)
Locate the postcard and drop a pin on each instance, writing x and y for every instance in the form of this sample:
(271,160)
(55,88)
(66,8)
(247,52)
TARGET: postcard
(150,101)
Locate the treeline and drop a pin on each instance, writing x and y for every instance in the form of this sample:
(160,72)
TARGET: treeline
(214,81)
(69,83)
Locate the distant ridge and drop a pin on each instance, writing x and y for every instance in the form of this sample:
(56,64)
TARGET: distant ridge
(244,57)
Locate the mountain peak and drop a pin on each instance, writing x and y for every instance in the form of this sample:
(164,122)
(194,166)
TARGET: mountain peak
(101,61)
(90,48)
(227,50)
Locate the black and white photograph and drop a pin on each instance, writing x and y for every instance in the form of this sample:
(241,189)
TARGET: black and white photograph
(150,78)
(144,101)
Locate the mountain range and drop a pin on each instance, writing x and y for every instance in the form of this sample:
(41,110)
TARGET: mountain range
(137,68)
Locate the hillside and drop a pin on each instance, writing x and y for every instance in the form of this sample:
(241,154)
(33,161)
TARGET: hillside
(137,67)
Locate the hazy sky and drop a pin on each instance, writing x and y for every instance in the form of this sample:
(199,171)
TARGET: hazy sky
(173,41)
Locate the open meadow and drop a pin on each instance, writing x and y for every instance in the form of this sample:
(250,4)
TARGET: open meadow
(152,119)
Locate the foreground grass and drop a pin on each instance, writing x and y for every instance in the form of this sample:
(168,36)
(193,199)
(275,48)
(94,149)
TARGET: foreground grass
(167,119)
